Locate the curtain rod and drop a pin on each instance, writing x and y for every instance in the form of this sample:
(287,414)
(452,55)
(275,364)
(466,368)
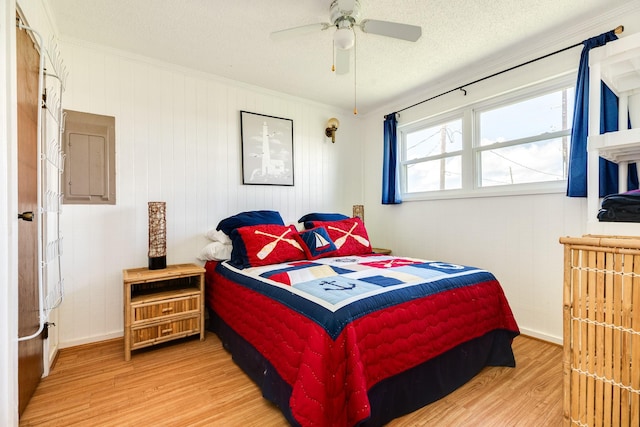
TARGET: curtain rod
(619,29)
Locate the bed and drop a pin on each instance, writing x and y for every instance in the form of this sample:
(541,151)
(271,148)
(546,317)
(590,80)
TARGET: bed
(335,335)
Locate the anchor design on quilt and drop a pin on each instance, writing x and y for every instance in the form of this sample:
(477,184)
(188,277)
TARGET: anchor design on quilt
(333,286)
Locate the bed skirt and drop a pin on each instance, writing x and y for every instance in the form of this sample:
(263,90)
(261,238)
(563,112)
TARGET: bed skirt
(394,396)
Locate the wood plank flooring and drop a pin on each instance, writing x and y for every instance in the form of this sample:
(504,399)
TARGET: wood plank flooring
(195,383)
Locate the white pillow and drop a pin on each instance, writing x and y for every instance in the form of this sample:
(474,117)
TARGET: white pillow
(218,236)
(215,251)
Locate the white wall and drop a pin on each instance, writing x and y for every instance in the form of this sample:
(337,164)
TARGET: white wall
(8,221)
(178,141)
(515,237)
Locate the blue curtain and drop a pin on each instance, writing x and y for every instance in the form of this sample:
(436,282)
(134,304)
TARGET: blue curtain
(390,178)
(577,173)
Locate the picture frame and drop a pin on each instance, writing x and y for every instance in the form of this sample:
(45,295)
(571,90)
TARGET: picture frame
(267,149)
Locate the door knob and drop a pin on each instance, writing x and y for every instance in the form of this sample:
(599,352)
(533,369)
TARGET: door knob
(26,216)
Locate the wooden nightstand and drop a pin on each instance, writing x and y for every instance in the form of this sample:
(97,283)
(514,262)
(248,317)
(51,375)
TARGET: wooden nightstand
(381,251)
(162,305)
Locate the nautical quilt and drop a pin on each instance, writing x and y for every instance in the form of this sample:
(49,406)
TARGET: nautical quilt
(363,283)
(334,327)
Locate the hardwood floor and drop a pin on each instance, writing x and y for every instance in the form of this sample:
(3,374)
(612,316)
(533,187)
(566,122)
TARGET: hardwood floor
(195,383)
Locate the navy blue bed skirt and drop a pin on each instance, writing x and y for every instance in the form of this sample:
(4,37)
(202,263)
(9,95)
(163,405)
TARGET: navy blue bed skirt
(392,397)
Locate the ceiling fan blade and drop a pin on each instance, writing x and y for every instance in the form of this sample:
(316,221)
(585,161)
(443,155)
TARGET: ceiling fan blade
(298,31)
(343,61)
(391,29)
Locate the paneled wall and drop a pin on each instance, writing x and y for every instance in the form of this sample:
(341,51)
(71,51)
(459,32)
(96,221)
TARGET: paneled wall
(8,225)
(178,141)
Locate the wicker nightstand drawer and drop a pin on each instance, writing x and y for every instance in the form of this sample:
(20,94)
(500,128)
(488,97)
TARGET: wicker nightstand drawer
(154,309)
(153,334)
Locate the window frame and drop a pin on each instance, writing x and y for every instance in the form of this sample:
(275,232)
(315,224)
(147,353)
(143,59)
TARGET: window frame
(471,147)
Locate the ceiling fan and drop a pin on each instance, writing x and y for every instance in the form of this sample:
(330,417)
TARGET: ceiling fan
(344,16)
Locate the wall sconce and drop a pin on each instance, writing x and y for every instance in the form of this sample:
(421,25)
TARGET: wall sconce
(332,127)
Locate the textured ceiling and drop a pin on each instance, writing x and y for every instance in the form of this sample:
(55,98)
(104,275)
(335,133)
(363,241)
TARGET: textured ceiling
(231,39)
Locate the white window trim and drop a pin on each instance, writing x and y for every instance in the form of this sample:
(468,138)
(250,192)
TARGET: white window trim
(470,134)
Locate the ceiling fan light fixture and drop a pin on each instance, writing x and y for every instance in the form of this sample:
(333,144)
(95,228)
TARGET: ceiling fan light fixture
(344,38)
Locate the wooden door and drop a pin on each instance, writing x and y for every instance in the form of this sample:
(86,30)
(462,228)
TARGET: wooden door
(30,352)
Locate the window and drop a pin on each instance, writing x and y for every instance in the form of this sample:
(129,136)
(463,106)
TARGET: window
(517,140)
(433,157)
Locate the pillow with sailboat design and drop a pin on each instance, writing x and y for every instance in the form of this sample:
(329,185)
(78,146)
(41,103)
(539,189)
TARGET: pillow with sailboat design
(264,244)
(316,243)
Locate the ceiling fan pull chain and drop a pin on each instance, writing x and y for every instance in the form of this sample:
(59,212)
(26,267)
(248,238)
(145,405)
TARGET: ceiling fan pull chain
(333,57)
(355,75)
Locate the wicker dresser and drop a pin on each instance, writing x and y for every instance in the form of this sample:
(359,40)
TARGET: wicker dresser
(601,363)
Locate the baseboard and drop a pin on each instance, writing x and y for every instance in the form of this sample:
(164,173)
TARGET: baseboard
(541,336)
(91,340)
(53,357)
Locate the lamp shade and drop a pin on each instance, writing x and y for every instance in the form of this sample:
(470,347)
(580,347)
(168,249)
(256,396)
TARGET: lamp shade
(344,38)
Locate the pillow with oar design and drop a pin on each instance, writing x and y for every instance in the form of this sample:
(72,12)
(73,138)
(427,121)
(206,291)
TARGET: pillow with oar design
(265,244)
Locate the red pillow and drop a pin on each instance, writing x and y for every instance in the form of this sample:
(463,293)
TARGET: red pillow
(265,244)
(349,235)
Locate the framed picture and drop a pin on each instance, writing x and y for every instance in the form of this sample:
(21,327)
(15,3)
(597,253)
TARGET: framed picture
(267,149)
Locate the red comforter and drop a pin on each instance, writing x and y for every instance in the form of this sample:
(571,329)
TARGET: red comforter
(330,377)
